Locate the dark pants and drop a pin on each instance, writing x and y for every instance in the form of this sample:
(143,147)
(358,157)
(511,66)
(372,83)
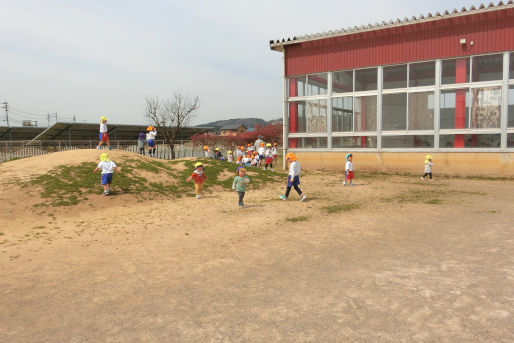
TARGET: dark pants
(428,174)
(142,151)
(270,165)
(288,189)
(241,196)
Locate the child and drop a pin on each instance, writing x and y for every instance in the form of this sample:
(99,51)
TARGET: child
(269,157)
(348,170)
(199,177)
(108,167)
(150,138)
(217,154)
(206,151)
(240,183)
(247,160)
(255,160)
(141,143)
(104,137)
(274,152)
(250,148)
(261,151)
(230,157)
(239,159)
(428,167)
(293,179)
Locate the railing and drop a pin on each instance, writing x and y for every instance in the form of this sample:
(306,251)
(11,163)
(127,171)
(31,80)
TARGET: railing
(10,150)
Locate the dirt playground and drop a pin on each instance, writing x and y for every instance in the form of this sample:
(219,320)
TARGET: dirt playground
(393,259)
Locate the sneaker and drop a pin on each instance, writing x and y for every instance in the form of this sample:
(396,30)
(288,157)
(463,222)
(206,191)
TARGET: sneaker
(106,193)
(283,197)
(99,147)
(302,197)
(344,184)
(242,204)
(422,178)
(198,196)
(272,170)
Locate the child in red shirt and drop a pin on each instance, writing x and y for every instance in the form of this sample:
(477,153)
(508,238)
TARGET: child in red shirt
(199,177)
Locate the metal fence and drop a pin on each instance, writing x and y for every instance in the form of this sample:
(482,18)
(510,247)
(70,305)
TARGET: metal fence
(10,150)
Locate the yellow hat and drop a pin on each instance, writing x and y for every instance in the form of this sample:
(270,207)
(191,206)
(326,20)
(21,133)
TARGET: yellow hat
(229,152)
(269,144)
(102,118)
(205,147)
(104,157)
(216,149)
(198,164)
(428,157)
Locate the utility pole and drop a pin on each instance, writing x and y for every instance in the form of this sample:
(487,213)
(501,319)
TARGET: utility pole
(48,119)
(6,108)
(74,119)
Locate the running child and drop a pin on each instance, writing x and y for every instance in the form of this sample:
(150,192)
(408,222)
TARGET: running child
(428,167)
(107,167)
(150,138)
(141,143)
(274,152)
(348,170)
(269,157)
(240,183)
(104,137)
(293,179)
(198,177)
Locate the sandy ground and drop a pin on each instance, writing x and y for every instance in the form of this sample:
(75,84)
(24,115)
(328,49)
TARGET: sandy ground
(396,269)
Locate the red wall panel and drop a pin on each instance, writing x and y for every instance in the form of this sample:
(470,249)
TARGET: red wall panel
(490,32)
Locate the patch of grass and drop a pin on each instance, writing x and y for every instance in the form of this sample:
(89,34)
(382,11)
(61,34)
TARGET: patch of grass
(340,208)
(297,219)
(434,201)
(1,233)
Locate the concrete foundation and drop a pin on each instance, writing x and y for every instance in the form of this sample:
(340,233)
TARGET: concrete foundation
(451,163)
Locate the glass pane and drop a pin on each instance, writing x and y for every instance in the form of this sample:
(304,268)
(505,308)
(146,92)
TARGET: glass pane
(421,111)
(342,114)
(511,65)
(469,141)
(455,71)
(510,140)
(511,106)
(366,79)
(316,116)
(422,74)
(395,77)
(454,109)
(342,81)
(317,84)
(354,142)
(486,107)
(407,141)
(308,142)
(487,68)
(365,113)
(297,85)
(297,121)
(394,111)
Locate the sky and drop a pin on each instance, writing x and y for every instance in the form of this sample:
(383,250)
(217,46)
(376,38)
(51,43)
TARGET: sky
(97,57)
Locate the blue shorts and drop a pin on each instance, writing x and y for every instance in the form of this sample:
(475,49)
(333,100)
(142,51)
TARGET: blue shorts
(106,179)
(261,157)
(151,143)
(294,182)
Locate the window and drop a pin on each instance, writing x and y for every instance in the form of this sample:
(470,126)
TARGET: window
(354,142)
(511,106)
(297,119)
(365,113)
(407,141)
(454,109)
(422,74)
(487,68)
(308,142)
(317,84)
(486,107)
(455,71)
(470,141)
(421,111)
(366,79)
(394,111)
(395,77)
(342,81)
(510,140)
(297,85)
(316,116)
(342,114)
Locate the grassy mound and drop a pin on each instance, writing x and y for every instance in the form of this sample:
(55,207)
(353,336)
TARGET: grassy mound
(142,177)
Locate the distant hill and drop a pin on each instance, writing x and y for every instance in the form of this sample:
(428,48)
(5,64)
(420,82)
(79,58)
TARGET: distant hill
(248,122)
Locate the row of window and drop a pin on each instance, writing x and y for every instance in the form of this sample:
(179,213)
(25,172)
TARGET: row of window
(406,141)
(464,108)
(453,71)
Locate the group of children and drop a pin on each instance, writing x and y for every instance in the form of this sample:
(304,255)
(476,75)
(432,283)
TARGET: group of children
(149,138)
(265,154)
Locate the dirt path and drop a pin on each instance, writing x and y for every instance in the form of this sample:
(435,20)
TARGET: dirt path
(409,262)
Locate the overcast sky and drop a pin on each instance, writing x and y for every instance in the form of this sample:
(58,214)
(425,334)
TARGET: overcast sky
(93,58)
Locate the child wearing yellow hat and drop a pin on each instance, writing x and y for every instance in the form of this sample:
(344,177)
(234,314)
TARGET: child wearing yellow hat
(274,152)
(428,167)
(269,157)
(107,167)
(240,183)
(293,178)
(206,151)
(104,136)
(230,156)
(199,177)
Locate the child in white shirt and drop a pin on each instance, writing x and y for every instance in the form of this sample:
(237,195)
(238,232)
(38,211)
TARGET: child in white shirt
(150,138)
(104,136)
(230,157)
(269,157)
(348,170)
(108,167)
(293,178)
(428,167)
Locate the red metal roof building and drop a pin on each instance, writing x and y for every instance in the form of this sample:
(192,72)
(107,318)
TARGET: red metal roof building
(435,83)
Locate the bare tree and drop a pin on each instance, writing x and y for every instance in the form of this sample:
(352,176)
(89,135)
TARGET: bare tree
(170,116)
